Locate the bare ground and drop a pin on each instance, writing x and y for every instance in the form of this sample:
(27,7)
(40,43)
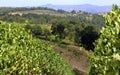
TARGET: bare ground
(78,59)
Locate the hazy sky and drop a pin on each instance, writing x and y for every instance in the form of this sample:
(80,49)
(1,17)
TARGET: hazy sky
(20,3)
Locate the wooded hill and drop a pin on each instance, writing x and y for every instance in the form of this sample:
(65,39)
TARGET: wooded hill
(47,15)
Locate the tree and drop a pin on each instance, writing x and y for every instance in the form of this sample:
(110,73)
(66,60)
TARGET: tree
(58,29)
(85,36)
(61,11)
(35,30)
(73,12)
(105,59)
(88,37)
(46,33)
(78,29)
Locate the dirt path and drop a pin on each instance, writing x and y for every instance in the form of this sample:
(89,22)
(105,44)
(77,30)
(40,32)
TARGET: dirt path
(78,59)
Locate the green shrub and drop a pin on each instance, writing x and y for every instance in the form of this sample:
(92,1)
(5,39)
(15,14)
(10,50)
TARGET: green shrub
(21,54)
(105,59)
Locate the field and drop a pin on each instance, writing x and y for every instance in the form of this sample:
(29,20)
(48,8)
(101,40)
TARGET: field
(42,12)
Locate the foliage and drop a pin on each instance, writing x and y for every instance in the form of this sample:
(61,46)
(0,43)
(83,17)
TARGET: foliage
(35,30)
(39,31)
(73,12)
(86,35)
(105,59)
(21,54)
(78,30)
(61,11)
(58,29)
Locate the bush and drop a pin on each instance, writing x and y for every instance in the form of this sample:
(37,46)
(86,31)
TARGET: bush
(105,59)
(21,54)
(35,30)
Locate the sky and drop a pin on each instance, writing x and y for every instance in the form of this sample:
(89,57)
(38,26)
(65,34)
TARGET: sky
(23,3)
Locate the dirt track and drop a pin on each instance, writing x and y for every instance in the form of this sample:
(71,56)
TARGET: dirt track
(78,59)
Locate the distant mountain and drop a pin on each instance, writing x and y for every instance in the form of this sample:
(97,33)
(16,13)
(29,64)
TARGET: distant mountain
(85,7)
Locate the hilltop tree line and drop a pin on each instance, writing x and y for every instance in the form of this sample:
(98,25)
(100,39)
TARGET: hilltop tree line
(91,19)
(95,20)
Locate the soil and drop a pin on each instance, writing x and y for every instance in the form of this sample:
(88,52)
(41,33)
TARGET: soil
(78,59)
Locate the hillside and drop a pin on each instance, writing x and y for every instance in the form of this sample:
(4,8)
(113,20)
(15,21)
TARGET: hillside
(47,15)
(32,10)
(74,55)
(64,31)
(60,40)
(85,7)
(23,54)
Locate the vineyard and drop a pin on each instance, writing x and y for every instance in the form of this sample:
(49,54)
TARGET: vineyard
(21,54)
(23,50)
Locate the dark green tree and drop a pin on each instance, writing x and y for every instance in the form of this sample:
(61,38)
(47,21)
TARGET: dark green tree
(46,33)
(73,12)
(78,28)
(58,29)
(88,37)
(36,30)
